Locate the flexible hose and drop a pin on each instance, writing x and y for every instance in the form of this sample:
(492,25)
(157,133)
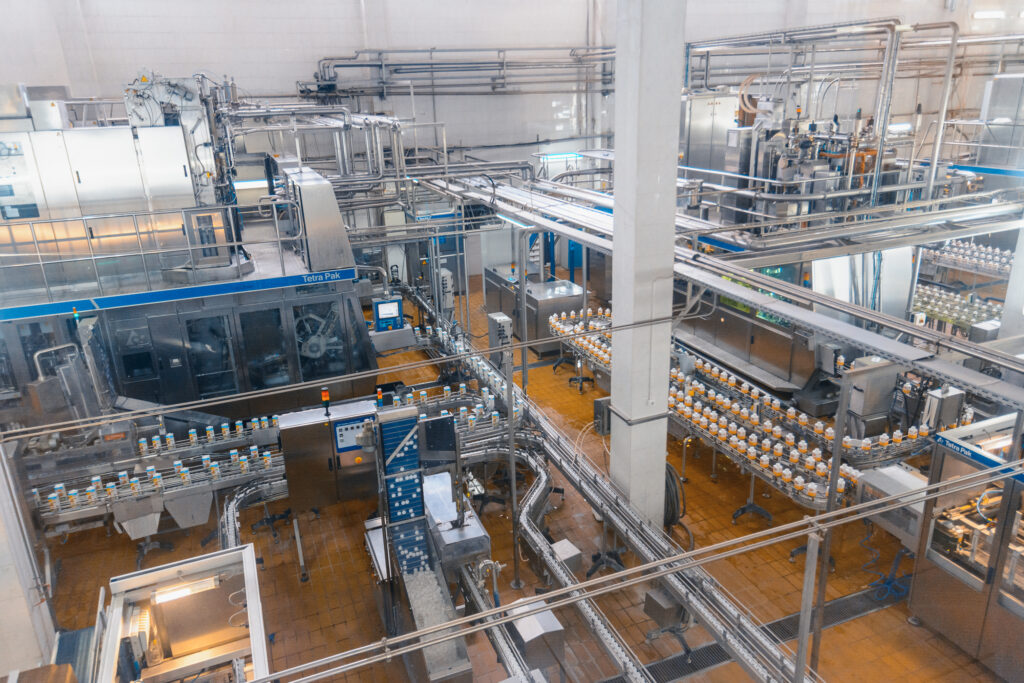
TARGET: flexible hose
(744,101)
(672,496)
(675,504)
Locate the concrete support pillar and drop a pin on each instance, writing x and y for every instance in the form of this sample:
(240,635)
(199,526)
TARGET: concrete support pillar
(648,79)
(1013,309)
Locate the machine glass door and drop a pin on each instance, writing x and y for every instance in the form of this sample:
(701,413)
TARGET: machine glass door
(266,359)
(1012,581)
(360,352)
(322,345)
(963,531)
(8,382)
(36,336)
(211,357)
(136,363)
(949,592)
(172,363)
(208,232)
(1002,640)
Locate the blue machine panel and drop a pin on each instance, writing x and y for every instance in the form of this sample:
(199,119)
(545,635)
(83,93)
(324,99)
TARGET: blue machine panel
(345,432)
(387,314)
(400,448)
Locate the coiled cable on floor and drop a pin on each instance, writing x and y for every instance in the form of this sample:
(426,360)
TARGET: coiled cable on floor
(675,503)
(672,496)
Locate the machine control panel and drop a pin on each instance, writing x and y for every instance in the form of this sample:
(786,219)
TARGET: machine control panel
(387,314)
(350,453)
(345,435)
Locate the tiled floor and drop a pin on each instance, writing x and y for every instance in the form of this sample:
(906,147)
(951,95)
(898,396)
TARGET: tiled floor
(336,610)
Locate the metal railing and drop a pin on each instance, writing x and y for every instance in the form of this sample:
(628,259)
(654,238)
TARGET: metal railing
(55,259)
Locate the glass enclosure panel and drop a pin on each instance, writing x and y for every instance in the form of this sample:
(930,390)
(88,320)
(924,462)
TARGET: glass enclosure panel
(122,274)
(62,240)
(1013,570)
(22,285)
(8,383)
(209,353)
(319,336)
(965,522)
(207,229)
(360,352)
(265,355)
(113,236)
(34,337)
(17,243)
(164,232)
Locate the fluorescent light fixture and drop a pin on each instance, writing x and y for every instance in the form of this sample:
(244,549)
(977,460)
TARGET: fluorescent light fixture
(996,444)
(250,184)
(989,14)
(513,221)
(551,156)
(183,590)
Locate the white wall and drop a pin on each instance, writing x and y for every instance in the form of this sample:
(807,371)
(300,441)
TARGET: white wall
(26,629)
(98,46)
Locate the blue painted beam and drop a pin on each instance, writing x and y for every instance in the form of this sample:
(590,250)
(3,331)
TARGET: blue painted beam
(101,303)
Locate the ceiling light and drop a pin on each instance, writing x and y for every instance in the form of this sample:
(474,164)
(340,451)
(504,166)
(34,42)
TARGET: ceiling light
(989,14)
(183,590)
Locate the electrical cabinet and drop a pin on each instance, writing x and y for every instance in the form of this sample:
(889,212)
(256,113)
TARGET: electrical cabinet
(322,460)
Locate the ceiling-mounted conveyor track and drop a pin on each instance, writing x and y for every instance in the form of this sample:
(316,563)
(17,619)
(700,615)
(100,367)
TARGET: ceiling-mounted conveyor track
(594,229)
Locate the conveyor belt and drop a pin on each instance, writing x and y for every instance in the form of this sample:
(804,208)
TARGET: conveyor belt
(75,648)
(400,443)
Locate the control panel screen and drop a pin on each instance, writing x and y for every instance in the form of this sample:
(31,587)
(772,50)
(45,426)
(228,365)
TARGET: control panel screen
(388,309)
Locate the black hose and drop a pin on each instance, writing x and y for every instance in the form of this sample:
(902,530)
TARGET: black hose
(673,496)
(675,504)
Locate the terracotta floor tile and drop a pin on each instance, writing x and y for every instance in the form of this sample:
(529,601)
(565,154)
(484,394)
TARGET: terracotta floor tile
(336,610)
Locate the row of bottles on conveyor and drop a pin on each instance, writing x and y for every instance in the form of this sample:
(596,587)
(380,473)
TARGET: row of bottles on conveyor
(793,463)
(756,426)
(973,257)
(490,382)
(154,481)
(752,405)
(939,303)
(464,416)
(597,345)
